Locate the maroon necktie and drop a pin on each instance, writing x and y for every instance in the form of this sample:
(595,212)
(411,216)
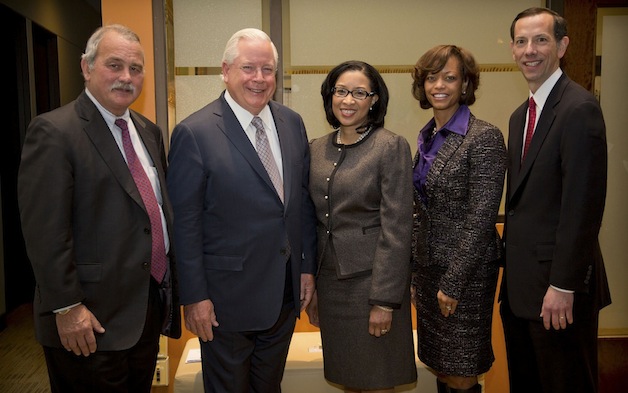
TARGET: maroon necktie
(530,130)
(158,255)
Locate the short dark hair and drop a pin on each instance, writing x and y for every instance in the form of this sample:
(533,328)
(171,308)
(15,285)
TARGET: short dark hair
(434,61)
(560,23)
(378,113)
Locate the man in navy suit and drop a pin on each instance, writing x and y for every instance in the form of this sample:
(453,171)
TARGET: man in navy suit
(244,222)
(554,283)
(93,234)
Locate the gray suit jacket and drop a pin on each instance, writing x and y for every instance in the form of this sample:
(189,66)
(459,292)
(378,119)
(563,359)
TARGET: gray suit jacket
(555,202)
(86,229)
(233,233)
(456,229)
(365,209)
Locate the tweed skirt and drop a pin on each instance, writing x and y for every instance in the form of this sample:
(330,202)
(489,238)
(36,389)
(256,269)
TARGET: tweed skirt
(461,343)
(352,357)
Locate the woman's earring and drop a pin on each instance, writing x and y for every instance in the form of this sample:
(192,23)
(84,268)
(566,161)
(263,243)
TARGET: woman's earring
(371,108)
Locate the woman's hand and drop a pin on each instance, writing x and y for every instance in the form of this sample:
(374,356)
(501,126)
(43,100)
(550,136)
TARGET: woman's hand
(447,304)
(380,321)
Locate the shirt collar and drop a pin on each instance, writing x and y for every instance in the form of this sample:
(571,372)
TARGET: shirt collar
(109,117)
(458,124)
(244,117)
(540,96)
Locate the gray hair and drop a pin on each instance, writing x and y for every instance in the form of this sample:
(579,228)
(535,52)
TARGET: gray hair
(231,50)
(91,49)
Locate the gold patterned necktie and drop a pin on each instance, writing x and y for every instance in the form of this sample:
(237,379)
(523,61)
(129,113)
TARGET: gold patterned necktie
(266,155)
(158,255)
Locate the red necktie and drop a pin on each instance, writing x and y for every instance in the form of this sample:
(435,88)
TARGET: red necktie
(266,155)
(158,255)
(530,129)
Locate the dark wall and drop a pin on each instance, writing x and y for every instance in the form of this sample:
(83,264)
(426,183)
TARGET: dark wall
(581,15)
(58,29)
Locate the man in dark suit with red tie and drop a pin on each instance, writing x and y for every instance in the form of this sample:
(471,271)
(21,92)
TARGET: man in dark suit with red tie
(554,283)
(245,228)
(97,221)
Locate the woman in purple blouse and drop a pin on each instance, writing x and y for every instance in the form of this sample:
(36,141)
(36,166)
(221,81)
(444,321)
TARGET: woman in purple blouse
(458,179)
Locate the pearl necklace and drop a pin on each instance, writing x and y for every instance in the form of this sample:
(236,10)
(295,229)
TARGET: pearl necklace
(362,136)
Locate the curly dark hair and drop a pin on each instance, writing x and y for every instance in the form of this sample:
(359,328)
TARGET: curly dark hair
(434,60)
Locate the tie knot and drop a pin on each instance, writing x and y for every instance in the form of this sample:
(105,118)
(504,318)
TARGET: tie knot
(258,123)
(122,124)
(532,104)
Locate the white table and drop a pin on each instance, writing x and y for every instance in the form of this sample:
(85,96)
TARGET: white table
(304,370)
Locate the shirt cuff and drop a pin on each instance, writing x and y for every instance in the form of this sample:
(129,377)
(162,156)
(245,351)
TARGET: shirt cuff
(65,308)
(562,290)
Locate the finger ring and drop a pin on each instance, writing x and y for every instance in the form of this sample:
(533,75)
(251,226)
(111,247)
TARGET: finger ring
(384,331)
(562,317)
(448,307)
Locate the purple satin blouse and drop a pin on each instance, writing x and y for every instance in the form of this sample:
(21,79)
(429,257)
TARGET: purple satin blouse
(429,145)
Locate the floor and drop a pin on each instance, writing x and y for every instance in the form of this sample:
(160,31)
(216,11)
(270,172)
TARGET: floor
(22,364)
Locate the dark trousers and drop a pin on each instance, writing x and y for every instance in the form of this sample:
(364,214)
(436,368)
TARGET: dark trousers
(551,361)
(127,371)
(248,362)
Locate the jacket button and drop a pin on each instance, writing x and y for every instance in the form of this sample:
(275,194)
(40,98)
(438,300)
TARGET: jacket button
(511,212)
(146,266)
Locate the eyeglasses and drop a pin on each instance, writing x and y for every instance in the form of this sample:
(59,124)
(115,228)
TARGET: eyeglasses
(357,94)
(251,70)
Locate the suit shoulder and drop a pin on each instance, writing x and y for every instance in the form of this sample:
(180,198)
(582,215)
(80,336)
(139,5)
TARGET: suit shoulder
(386,134)
(204,115)
(282,110)
(485,133)
(143,118)
(392,140)
(479,126)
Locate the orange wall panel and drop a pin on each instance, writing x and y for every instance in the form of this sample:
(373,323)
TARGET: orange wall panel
(138,15)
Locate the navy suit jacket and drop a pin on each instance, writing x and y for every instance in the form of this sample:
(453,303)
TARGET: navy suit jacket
(233,232)
(555,202)
(86,229)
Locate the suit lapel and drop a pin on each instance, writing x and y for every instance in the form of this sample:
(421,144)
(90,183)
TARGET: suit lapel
(543,127)
(232,128)
(152,147)
(447,150)
(285,141)
(100,135)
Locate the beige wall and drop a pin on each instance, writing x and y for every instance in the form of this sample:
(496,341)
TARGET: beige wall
(612,92)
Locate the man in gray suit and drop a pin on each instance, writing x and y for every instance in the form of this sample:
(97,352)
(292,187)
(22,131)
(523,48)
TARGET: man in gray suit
(554,283)
(96,221)
(244,222)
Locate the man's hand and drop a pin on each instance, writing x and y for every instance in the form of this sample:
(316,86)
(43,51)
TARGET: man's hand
(200,319)
(312,311)
(557,309)
(76,330)
(307,289)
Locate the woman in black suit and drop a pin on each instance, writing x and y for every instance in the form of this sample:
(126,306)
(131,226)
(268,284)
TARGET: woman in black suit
(458,177)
